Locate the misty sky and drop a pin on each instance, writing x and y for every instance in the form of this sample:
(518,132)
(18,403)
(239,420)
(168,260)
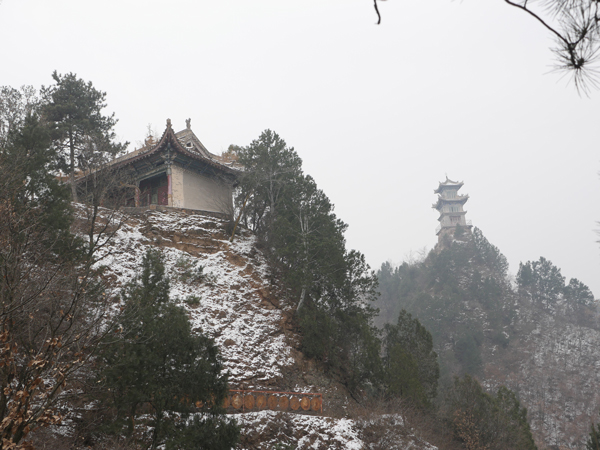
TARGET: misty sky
(379,114)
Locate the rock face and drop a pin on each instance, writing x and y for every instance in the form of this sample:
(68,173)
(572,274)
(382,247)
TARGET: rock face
(231,296)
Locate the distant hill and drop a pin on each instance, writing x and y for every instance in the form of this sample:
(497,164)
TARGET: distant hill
(538,335)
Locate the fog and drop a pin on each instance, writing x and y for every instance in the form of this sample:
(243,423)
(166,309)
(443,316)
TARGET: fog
(378,113)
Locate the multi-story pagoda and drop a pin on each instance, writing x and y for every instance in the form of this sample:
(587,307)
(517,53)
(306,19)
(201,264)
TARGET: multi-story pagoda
(450,206)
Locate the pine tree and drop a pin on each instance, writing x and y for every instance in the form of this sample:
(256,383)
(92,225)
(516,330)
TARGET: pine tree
(578,293)
(485,421)
(28,166)
(593,442)
(305,244)
(542,280)
(159,365)
(51,318)
(271,168)
(516,431)
(82,135)
(411,367)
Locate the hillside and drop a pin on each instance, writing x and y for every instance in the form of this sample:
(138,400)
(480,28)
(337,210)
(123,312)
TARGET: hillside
(235,304)
(552,361)
(538,336)
(237,301)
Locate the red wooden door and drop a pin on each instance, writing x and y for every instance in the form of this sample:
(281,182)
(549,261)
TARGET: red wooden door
(163,197)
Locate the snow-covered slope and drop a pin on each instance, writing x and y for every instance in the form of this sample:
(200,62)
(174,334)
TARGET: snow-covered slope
(233,303)
(553,364)
(236,302)
(266,430)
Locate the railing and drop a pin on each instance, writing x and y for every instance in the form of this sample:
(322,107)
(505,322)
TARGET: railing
(273,400)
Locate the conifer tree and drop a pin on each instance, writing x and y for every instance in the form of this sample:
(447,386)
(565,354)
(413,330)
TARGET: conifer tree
(271,168)
(305,243)
(593,442)
(81,134)
(50,314)
(159,365)
(486,421)
(578,293)
(541,279)
(411,367)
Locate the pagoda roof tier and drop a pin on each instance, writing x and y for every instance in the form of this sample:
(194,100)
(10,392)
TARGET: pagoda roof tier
(459,199)
(448,184)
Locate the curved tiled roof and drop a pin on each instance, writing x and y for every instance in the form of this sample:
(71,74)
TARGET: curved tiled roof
(460,199)
(448,183)
(184,142)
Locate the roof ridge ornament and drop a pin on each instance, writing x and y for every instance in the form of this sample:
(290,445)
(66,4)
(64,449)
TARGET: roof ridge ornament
(188,124)
(168,123)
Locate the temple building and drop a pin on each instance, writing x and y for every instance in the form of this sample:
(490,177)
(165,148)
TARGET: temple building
(178,171)
(450,206)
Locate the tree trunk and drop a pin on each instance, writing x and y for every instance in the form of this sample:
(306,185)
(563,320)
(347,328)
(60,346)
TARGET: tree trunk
(303,293)
(304,230)
(72,167)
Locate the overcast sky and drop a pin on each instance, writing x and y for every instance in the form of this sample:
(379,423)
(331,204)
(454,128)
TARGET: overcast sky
(379,114)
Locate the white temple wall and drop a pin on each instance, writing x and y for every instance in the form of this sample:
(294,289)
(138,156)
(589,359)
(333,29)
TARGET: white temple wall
(447,221)
(177,186)
(207,194)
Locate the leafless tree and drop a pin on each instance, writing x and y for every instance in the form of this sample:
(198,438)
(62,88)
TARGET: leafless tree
(15,104)
(53,306)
